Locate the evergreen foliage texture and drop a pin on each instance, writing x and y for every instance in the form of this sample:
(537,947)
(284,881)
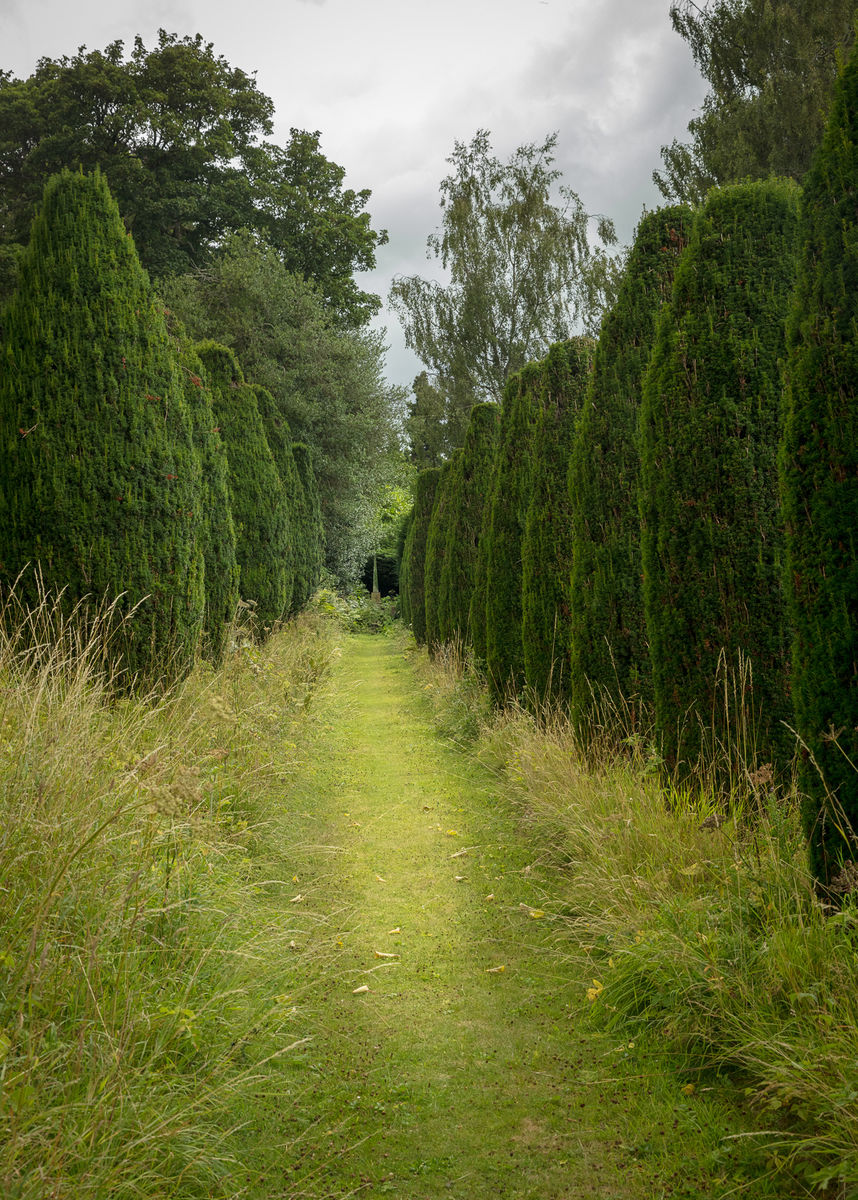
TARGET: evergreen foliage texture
(546,552)
(710,423)
(311,536)
(436,549)
(403,557)
(511,481)
(217,531)
(415,549)
(259,502)
(609,656)
(819,485)
(467,506)
(279,437)
(100,484)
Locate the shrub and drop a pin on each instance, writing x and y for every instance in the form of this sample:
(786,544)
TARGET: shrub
(468,503)
(436,549)
(100,484)
(609,655)
(510,493)
(819,483)
(259,503)
(415,548)
(710,540)
(546,552)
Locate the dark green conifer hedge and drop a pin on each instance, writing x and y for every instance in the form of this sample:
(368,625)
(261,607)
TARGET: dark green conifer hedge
(436,549)
(311,536)
(710,423)
(402,566)
(100,484)
(609,655)
(259,502)
(217,531)
(546,551)
(819,482)
(415,549)
(279,437)
(511,480)
(467,506)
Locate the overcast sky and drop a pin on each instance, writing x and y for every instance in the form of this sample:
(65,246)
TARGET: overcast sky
(391,84)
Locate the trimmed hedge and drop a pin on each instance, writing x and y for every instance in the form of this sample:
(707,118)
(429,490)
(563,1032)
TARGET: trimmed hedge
(511,481)
(259,502)
(100,483)
(468,504)
(546,552)
(415,549)
(710,424)
(819,485)
(436,550)
(609,653)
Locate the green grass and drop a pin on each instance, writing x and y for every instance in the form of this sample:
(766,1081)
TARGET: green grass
(194,886)
(448,1077)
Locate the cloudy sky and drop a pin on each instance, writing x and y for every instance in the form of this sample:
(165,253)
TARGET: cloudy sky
(391,84)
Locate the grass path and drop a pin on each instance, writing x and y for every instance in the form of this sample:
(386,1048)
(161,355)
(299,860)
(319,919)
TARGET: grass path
(467,1069)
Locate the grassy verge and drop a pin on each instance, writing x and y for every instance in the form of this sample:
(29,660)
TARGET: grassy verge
(699,935)
(138,970)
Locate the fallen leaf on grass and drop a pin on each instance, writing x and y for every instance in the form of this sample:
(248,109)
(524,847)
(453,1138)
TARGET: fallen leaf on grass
(360,990)
(452,833)
(532,912)
(495,970)
(461,878)
(396,930)
(380,880)
(490,896)
(688,1090)
(459,854)
(381,954)
(296,899)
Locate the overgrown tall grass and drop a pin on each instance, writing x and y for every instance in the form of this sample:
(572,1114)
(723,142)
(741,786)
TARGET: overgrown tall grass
(692,926)
(137,978)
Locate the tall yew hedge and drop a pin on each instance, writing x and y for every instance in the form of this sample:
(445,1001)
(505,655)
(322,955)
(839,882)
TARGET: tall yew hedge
(100,484)
(467,505)
(609,654)
(710,423)
(310,531)
(511,480)
(819,483)
(415,549)
(217,531)
(436,549)
(546,553)
(259,502)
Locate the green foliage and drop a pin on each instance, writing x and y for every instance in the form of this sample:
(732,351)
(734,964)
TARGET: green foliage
(217,531)
(100,483)
(436,550)
(510,495)
(328,384)
(415,550)
(179,134)
(819,467)
(402,565)
(609,655)
(772,68)
(710,540)
(546,548)
(522,271)
(259,501)
(467,505)
(311,533)
(424,425)
(279,438)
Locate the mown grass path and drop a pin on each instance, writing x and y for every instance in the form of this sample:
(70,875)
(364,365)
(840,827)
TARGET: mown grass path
(468,1068)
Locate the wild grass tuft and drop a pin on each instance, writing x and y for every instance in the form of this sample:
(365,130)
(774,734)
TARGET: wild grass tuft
(135,1004)
(690,918)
